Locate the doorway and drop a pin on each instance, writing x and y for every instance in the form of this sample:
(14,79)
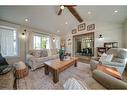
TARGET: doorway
(83,45)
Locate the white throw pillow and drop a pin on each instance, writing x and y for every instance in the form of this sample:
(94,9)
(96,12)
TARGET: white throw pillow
(73,84)
(103,57)
(106,57)
(109,57)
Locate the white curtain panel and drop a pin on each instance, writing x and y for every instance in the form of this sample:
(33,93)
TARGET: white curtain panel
(7,39)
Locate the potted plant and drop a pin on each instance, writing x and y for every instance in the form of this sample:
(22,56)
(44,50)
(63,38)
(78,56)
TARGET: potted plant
(61,54)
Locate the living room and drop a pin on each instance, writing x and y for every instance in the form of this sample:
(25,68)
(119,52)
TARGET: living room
(31,42)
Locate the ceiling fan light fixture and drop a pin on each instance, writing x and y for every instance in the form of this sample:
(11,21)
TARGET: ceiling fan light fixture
(66,22)
(62,7)
(89,12)
(26,20)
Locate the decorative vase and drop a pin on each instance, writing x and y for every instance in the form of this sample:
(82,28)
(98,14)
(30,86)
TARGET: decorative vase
(61,56)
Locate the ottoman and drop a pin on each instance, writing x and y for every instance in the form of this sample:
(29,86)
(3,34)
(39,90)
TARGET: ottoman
(20,70)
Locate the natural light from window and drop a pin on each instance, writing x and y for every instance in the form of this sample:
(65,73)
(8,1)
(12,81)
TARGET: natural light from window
(8,42)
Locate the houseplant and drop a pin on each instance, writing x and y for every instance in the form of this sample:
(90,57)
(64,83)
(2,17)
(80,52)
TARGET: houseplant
(61,54)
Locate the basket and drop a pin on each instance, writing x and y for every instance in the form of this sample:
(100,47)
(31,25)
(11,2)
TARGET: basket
(21,73)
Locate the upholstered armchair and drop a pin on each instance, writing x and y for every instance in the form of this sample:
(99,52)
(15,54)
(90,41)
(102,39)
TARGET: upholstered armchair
(119,59)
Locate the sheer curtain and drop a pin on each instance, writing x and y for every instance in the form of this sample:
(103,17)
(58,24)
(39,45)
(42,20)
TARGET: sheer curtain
(7,42)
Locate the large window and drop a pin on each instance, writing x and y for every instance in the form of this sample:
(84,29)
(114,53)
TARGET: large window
(8,42)
(41,41)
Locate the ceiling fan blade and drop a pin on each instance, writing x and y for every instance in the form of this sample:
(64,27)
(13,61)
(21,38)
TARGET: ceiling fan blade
(75,13)
(60,11)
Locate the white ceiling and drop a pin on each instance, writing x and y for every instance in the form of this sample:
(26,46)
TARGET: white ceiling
(46,18)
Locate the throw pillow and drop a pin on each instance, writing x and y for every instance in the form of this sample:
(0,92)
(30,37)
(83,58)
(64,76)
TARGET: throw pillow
(106,57)
(37,53)
(44,53)
(103,57)
(73,84)
(109,57)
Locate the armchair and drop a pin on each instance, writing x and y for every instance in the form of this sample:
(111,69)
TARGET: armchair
(119,59)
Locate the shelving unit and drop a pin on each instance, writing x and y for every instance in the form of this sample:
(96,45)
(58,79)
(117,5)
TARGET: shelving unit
(107,46)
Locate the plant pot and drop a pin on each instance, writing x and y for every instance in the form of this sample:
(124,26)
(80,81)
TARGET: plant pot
(61,57)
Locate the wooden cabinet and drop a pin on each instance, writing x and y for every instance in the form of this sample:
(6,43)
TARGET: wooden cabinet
(107,46)
(100,50)
(111,44)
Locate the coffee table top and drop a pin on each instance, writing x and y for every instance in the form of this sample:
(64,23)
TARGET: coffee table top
(57,64)
(109,70)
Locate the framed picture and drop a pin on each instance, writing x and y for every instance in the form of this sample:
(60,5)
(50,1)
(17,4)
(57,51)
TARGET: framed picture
(90,27)
(74,31)
(81,27)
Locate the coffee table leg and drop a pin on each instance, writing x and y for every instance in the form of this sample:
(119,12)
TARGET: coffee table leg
(75,63)
(55,76)
(46,70)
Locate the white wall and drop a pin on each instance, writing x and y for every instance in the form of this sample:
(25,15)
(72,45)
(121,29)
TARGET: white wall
(125,33)
(111,33)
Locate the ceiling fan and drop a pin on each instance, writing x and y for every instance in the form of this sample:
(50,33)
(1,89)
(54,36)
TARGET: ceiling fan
(72,10)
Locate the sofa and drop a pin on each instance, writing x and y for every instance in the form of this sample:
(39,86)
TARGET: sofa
(36,58)
(99,81)
(119,59)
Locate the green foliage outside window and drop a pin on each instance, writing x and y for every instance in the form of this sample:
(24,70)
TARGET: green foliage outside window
(43,44)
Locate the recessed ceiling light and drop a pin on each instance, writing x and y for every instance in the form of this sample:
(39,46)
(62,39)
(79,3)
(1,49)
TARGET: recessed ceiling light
(62,7)
(66,23)
(26,19)
(89,12)
(58,30)
(115,11)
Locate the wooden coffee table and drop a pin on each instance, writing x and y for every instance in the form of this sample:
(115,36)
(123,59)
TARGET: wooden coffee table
(109,70)
(56,66)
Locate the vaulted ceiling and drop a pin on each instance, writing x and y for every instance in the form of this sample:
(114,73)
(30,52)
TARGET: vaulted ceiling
(45,17)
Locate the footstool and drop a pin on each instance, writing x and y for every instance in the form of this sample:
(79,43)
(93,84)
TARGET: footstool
(21,70)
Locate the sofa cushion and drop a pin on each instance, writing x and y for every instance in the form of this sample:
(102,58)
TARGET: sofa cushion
(114,51)
(37,53)
(122,53)
(108,81)
(44,53)
(118,60)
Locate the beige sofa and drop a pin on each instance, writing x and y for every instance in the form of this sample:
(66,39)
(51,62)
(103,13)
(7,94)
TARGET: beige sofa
(98,81)
(36,58)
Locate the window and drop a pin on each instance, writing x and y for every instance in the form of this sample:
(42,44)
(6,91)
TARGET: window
(41,42)
(8,42)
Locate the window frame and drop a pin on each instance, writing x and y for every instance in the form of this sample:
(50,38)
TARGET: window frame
(40,35)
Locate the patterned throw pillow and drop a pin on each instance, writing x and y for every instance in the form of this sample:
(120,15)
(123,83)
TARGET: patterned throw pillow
(37,53)
(73,84)
(44,53)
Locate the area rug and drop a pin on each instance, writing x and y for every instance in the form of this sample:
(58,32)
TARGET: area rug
(38,80)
